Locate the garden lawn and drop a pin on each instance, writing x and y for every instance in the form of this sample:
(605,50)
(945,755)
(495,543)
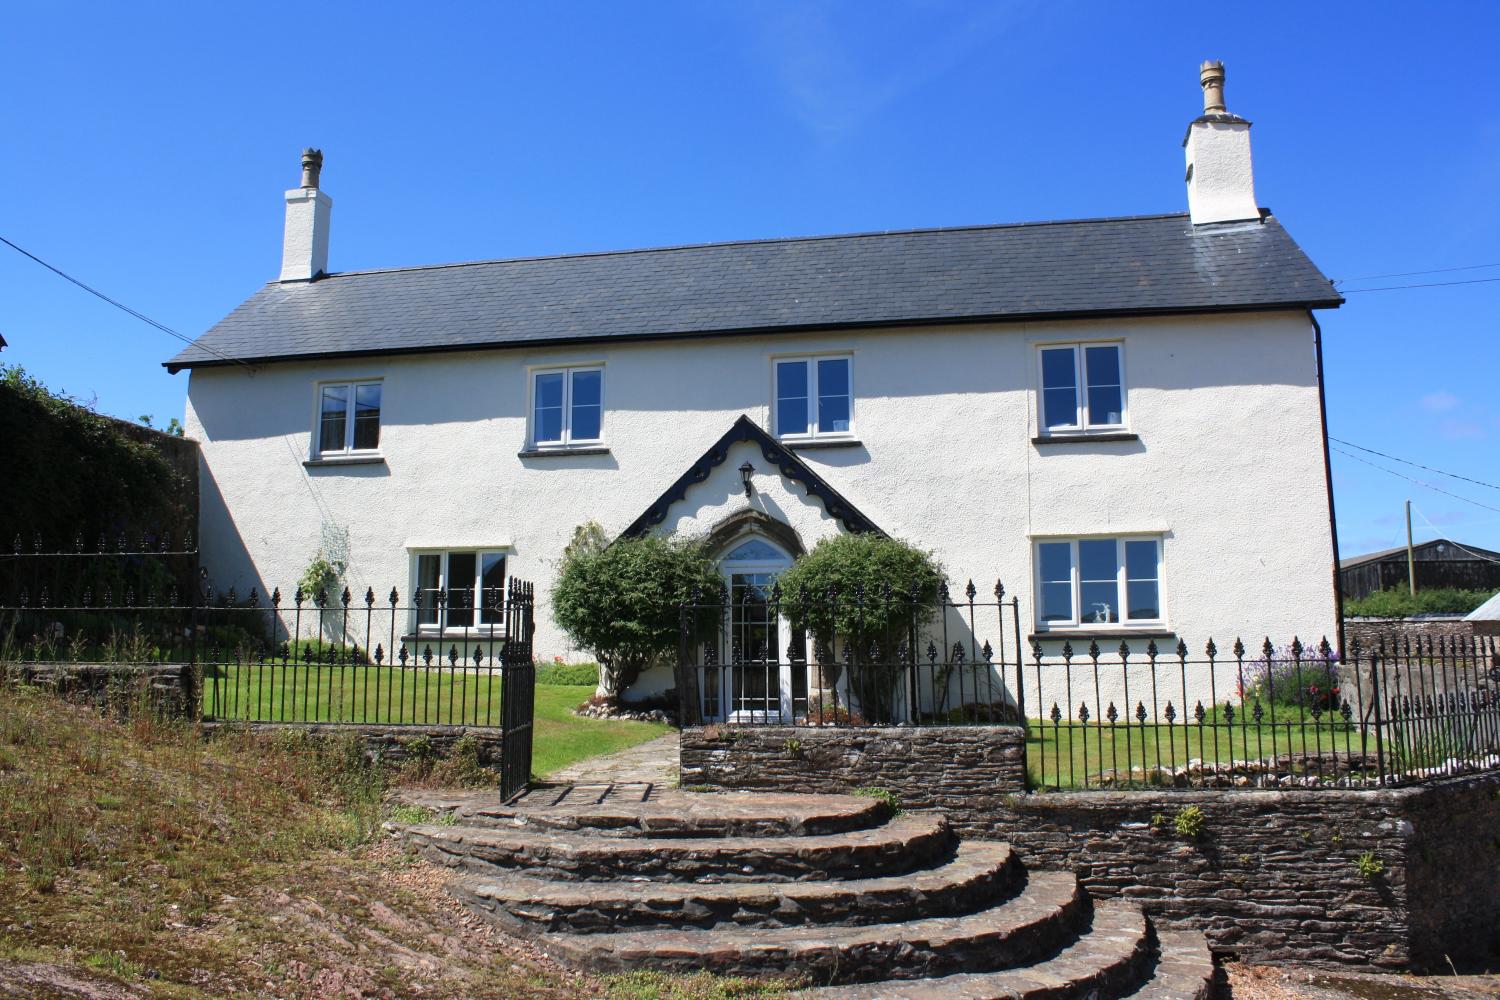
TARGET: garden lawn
(333,693)
(304,692)
(563,738)
(1075,756)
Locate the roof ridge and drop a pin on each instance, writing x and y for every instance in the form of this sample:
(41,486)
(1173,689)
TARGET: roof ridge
(869,234)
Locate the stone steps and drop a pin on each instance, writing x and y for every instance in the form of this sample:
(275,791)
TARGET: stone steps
(640,810)
(902,845)
(1184,969)
(979,874)
(1040,919)
(1111,955)
(830,889)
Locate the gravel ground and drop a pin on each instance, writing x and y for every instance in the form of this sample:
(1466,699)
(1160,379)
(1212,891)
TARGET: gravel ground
(1259,982)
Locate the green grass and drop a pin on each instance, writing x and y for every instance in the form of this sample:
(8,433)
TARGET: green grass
(1074,757)
(306,692)
(323,693)
(563,738)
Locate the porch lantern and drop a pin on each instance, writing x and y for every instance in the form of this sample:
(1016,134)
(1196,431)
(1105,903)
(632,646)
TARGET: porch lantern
(746,471)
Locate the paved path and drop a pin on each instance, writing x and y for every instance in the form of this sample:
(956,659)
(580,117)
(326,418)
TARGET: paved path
(650,763)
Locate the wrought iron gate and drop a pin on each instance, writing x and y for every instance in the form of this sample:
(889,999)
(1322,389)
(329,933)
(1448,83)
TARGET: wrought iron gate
(519,706)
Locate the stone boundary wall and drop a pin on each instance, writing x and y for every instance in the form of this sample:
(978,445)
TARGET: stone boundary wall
(387,744)
(169,688)
(961,769)
(1274,876)
(1369,631)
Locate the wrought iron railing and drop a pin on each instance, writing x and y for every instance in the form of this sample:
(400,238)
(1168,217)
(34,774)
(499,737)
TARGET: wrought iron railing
(307,659)
(1120,716)
(1266,717)
(764,657)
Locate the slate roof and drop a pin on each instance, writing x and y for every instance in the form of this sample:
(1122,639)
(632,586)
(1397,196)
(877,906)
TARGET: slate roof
(1133,265)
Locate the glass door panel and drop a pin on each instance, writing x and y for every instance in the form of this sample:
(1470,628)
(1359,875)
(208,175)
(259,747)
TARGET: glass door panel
(754,641)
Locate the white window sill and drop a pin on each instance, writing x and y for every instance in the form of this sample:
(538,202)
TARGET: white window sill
(324,461)
(549,451)
(1085,437)
(1114,630)
(814,444)
(479,633)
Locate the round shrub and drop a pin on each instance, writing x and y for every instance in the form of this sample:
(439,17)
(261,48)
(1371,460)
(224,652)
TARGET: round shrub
(623,601)
(861,584)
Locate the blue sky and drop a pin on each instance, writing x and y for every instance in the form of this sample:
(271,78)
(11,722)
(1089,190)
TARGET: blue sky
(147,151)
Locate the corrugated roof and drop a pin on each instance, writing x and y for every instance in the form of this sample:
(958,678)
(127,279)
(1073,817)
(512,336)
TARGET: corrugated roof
(1133,265)
(1419,550)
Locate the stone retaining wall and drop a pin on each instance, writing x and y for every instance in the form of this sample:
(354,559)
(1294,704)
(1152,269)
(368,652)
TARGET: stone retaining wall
(1276,876)
(1273,876)
(961,769)
(389,744)
(169,688)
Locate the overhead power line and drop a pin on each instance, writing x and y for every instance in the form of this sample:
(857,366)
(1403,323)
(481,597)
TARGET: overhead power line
(1412,479)
(1410,274)
(1456,545)
(1419,465)
(123,307)
(1430,284)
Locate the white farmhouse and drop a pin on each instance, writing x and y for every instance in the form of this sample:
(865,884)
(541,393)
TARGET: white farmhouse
(1120,418)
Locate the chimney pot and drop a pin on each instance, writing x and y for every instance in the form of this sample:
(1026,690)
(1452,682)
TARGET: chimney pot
(304,245)
(312,166)
(1220,181)
(1211,77)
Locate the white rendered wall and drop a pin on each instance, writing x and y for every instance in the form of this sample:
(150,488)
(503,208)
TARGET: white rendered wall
(304,247)
(1228,467)
(1221,181)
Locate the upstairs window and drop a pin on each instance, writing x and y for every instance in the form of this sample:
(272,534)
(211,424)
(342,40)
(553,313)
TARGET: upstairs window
(1083,388)
(1087,582)
(471,586)
(567,407)
(815,397)
(348,418)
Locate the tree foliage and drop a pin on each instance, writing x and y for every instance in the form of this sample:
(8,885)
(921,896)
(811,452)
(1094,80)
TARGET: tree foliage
(863,583)
(73,472)
(623,601)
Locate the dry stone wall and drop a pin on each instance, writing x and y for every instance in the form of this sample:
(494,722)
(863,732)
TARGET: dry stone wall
(961,769)
(168,688)
(392,745)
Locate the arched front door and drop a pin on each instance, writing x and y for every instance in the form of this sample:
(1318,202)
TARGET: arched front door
(757,683)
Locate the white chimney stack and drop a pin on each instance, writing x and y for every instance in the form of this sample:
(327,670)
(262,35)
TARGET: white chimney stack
(304,248)
(1220,183)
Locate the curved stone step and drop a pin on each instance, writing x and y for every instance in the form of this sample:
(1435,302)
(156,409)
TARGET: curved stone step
(1045,915)
(980,874)
(902,845)
(612,811)
(1111,956)
(1184,969)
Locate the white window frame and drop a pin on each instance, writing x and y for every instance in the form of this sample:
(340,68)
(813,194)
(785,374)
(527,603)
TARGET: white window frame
(567,440)
(348,450)
(1121,593)
(811,361)
(481,626)
(1081,425)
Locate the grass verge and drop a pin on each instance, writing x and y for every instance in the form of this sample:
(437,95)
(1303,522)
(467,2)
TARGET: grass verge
(139,860)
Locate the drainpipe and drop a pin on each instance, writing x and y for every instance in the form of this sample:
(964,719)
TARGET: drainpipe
(1333,521)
